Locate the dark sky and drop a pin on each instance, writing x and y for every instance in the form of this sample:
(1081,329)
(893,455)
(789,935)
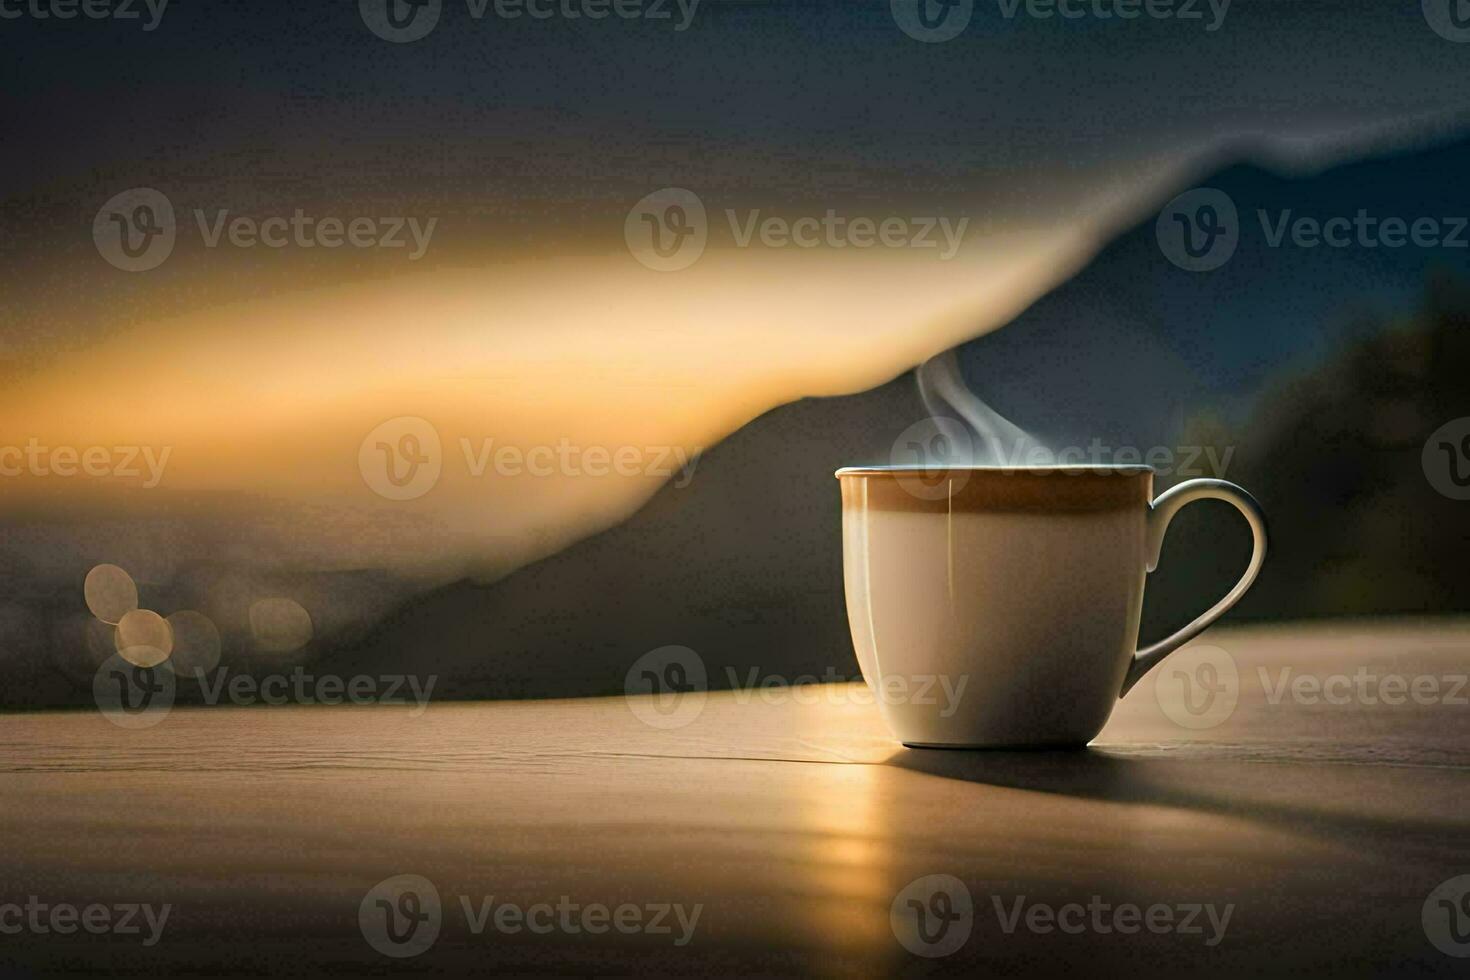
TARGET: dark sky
(798,94)
(536,135)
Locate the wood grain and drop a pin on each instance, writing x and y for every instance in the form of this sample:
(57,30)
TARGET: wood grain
(791,817)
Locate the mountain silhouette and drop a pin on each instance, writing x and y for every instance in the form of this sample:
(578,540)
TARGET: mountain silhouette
(744,564)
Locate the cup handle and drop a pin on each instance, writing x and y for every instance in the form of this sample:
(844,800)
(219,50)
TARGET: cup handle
(1160,513)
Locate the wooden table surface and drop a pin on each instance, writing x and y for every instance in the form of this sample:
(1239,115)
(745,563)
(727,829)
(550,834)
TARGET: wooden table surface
(791,819)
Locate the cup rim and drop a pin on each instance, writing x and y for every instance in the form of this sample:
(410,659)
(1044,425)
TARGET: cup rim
(1071,469)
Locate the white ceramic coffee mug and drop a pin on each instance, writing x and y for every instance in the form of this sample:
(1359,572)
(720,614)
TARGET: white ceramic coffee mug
(995,607)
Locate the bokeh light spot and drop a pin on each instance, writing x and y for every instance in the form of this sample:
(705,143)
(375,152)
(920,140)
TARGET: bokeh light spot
(110,592)
(196,643)
(144,638)
(280,625)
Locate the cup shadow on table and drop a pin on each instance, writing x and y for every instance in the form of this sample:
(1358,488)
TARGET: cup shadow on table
(1282,796)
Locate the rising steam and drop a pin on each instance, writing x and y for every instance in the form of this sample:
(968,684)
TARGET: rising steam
(993,439)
